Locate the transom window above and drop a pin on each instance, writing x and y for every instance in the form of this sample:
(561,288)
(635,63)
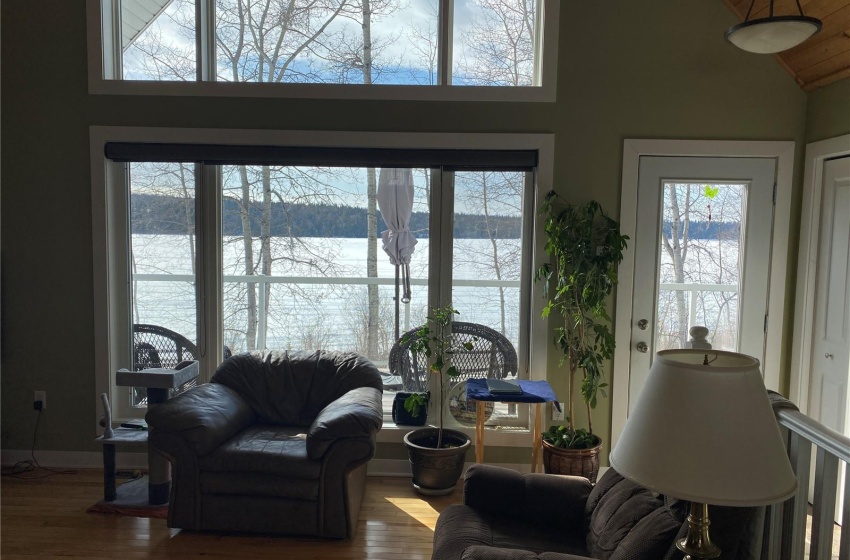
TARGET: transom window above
(336,45)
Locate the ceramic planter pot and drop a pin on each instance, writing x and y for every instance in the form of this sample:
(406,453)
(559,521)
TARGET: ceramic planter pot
(575,462)
(436,471)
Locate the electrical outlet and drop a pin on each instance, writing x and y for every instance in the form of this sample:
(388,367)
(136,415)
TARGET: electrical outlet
(40,396)
(557,414)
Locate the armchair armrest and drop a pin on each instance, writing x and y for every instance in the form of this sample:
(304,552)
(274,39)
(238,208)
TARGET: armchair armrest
(546,499)
(358,413)
(202,418)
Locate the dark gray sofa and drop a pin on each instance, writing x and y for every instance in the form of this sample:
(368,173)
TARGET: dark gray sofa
(510,516)
(276,443)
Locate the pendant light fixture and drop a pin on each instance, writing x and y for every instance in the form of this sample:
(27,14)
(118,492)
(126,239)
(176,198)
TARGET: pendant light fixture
(772,34)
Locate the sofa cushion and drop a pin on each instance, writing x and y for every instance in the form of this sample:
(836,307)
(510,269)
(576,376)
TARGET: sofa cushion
(628,521)
(460,526)
(275,450)
(291,388)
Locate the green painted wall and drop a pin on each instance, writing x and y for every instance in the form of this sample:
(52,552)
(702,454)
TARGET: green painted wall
(654,69)
(828,112)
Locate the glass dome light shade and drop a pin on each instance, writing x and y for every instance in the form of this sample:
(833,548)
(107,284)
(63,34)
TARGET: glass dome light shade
(772,34)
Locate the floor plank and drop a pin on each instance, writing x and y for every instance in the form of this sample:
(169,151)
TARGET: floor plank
(46,518)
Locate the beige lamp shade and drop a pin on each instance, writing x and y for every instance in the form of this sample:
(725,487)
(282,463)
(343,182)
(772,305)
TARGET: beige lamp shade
(706,433)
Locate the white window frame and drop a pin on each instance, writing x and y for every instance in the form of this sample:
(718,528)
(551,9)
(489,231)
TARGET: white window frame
(104,62)
(109,213)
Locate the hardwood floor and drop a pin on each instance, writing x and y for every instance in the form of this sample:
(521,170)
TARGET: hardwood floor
(46,518)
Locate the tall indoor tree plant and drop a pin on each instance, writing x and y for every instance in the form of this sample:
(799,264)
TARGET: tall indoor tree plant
(436,454)
(585,247)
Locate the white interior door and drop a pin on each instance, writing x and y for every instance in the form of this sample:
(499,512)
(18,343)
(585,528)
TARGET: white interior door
(831,344)
(830,359)
(702,256)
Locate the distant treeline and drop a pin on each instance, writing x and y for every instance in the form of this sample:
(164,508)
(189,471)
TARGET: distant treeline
(153,214)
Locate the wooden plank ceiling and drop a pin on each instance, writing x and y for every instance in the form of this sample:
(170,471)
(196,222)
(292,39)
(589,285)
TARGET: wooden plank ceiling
(823,58)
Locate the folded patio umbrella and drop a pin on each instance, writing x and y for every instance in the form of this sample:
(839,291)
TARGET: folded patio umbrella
(395,200)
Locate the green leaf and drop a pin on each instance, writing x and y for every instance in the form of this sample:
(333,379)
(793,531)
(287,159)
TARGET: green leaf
(710,192)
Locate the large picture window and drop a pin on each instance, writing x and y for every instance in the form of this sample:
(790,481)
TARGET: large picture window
(430,44)
(293,253)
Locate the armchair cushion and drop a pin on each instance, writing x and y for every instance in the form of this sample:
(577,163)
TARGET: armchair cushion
(358,413)
(278,450)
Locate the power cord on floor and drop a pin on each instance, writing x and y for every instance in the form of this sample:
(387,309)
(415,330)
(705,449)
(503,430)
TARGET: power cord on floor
(31,465)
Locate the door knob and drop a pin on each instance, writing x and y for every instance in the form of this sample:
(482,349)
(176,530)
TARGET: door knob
(642,347)
(642,324)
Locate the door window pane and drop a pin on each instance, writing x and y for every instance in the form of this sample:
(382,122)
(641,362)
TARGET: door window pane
(163,260)
(493,42)
(158,40)
(699,281)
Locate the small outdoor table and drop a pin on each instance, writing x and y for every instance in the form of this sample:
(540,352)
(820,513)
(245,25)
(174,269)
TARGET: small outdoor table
(533,392)
(157,381)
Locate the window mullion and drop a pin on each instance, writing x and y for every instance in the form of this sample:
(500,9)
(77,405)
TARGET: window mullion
(205,40)
(444,42)
(526,288)
(121,285)
(112,40)
(208,235)
(538,42)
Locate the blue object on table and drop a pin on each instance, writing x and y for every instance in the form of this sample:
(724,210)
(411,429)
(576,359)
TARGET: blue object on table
(532,392)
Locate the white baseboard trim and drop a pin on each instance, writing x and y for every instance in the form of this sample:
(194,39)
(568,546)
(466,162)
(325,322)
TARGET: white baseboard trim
(73,459)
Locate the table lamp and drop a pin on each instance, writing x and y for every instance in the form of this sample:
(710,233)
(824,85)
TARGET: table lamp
(703,430)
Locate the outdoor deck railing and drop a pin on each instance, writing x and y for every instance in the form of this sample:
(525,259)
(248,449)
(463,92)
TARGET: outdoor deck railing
(261,281)
(785,534)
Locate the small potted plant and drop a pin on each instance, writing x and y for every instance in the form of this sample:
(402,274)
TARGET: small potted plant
(437,454)
(585,247)
(410,409)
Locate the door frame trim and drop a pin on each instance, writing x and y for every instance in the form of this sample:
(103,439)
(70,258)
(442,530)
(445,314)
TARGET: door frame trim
(817,153)
(633,149)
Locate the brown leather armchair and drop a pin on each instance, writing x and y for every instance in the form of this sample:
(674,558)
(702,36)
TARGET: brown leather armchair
(276,443)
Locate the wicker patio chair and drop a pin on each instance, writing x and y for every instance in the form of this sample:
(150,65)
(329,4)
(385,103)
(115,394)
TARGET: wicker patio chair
(492,355)
(158,347)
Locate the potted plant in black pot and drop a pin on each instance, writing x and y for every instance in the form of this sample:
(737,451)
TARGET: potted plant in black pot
(410,408)
(585,247)
(436,454)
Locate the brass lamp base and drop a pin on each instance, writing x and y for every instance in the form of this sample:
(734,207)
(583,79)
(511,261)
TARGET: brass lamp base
(697,545)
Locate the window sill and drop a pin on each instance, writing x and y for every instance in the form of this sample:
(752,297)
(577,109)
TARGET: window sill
(377,92)
(515,437)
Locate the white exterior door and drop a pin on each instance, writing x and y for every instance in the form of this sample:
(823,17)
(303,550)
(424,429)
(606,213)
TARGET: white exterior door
(702,256)
(830,359)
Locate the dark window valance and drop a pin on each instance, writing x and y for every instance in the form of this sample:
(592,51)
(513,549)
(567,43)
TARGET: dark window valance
(218,154)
